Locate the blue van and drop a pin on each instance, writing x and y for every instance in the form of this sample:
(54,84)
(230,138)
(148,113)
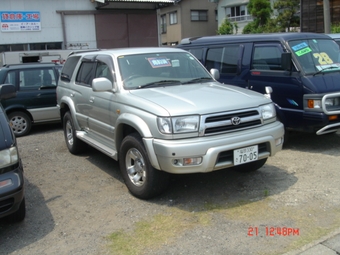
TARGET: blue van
(302,69)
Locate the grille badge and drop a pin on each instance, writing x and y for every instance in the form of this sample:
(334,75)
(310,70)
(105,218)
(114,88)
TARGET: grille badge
(235,121)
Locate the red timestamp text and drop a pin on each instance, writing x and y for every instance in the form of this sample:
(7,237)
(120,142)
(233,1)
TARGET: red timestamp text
(273,231)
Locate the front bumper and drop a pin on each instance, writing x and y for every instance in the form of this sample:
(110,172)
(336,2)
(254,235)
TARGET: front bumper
(11,196)
(216,151)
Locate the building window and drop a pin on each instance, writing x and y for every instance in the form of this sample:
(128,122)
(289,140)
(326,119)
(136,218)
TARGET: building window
(173,18)
(163,24)
(238,13)
(199,15)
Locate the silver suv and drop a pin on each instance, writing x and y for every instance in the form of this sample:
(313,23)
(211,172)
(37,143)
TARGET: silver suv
(159,111)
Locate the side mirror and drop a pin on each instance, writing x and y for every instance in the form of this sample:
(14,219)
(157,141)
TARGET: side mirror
(101,84)
(215,73)
(7,91)
(286,61)
(269,90)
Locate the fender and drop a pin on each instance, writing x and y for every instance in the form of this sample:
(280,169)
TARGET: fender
(65,100)
(142,128)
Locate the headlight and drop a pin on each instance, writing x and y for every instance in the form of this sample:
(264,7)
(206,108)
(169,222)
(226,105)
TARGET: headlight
(175,125)
(268,111)
(8,157)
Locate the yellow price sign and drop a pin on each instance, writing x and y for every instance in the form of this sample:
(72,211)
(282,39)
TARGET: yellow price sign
(323,58)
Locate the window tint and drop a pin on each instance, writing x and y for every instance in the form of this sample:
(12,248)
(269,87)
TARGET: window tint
(10,78)
(37,78)
(68,68)
(214,59)
(229,59)
(85,74)
(103,71)
(223,59)
(197,53)
(267,58)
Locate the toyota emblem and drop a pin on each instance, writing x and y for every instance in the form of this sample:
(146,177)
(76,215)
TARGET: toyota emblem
(235,121)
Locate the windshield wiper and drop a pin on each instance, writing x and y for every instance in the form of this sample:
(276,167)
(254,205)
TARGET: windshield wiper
(158,83)
(327,68)
(201,79)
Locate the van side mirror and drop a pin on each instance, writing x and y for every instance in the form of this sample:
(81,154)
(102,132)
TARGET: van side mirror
(7,91)
(286,61)
(215,73)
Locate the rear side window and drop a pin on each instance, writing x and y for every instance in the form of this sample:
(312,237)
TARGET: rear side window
(198,53)
(224,59)
(32,79)
(68,68)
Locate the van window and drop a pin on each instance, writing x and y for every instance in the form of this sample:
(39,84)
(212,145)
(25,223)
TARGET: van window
(266,57)
(224,59)
(198,53)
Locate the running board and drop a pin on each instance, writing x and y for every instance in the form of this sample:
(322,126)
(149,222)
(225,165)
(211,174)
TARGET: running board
(99,146)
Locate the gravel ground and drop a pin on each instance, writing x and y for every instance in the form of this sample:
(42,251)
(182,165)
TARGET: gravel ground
(80,205)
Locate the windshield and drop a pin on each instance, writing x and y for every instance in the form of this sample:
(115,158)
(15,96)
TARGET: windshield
(161,69)
(316,55)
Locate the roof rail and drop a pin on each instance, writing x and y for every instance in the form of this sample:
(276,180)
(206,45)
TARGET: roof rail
(189,39)
(82,51)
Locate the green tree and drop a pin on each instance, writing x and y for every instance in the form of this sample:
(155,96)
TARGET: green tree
(287,14)
(227,28)
(261,12)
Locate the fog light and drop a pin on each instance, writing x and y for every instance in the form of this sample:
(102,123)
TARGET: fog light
(6,183)
(279,141)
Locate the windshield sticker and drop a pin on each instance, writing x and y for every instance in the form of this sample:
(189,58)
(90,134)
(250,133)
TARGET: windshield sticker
(300,46)
(323,58)
(159,62)
(303,51)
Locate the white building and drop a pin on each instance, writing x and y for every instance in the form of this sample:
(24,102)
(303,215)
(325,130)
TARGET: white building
(78,24)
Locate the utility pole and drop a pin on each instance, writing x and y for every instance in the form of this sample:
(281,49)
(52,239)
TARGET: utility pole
(327,16)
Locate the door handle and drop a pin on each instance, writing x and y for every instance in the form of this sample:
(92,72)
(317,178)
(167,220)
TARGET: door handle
(91,99)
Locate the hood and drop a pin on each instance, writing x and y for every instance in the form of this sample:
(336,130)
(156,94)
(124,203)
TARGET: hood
(198,99)
(323,83)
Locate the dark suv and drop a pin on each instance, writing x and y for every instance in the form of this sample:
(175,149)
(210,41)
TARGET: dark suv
(12,199)
(35,102)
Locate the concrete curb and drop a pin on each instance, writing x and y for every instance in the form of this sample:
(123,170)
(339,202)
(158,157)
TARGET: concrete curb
(309,246)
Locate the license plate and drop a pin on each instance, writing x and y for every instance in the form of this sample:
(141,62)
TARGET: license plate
(245,155)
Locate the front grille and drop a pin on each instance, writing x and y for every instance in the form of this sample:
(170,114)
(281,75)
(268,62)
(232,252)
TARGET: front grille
(5,205)
(222,122)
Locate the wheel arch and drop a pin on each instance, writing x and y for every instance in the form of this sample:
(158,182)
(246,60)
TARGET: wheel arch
(16,108)
(67,105)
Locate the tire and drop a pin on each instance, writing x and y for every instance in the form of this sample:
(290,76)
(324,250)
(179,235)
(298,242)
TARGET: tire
(20,122)
(250,167)
(142,180)
(20,214)
(74,145)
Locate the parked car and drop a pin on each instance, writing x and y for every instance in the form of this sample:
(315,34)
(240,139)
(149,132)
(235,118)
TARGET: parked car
(35,102)
(303,70)
(159,111)
(12,198)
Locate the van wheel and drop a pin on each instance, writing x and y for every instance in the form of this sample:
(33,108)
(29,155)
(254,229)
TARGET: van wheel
(142,180)
(20,214)
(251,166)
(20,122)
(74,145)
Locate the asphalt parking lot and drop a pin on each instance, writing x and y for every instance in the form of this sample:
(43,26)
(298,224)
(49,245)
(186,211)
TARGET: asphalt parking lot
(80,205)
